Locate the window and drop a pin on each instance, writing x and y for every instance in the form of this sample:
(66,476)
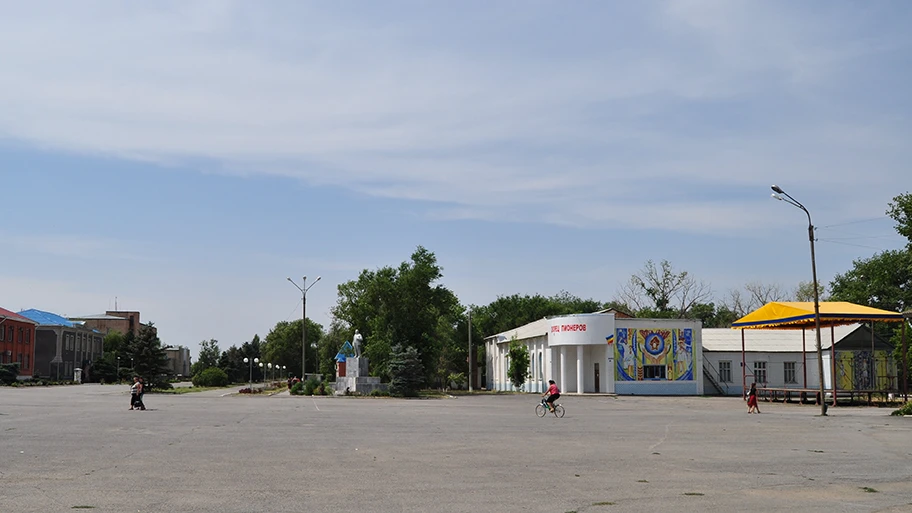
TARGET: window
(760,372)
(26,364)
(28,335)
(789,368)
(20,335)
(653,372)
(2,334)
(725,371)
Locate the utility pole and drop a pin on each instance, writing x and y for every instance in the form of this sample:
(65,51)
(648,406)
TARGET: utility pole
(470,349)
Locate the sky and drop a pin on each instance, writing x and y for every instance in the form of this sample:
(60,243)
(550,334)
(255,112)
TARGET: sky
(183,158)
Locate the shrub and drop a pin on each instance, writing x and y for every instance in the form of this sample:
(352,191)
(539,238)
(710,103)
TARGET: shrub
(310,385)
(211,377)
(906,409)
(298,388)
(379,393)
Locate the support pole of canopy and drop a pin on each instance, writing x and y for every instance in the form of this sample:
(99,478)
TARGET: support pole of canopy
(905,362)
(804,358)
(743,367)
(833,358)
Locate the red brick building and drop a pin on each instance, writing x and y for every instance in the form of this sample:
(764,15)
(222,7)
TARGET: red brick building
(17,341)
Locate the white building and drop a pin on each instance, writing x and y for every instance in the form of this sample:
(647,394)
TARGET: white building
(786,359)
(599,353)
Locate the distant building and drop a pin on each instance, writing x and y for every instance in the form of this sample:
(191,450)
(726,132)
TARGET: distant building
(62,345)
(112,320)
(17,342)
(178,361)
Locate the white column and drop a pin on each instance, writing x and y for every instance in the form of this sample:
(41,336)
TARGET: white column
(563,368)
(609,369)
(580,377)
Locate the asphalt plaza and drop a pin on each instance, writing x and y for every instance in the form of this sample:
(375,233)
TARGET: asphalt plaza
(79,447)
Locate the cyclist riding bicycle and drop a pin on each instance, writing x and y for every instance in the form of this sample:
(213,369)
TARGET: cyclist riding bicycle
(553,394)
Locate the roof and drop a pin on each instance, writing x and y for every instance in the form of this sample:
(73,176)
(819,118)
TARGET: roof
(46,318)
(850,336)
(98,317)
(13,316)
(797,315)
(537,328)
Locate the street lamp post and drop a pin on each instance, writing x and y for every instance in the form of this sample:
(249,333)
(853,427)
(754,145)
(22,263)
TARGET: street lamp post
(250,367)
(264,374)
(778,194)
(304,288)
(269,369)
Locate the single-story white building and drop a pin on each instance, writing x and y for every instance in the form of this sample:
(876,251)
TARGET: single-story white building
(783,359)
(603,353)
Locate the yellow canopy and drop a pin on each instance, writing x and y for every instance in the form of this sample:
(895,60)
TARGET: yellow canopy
(797,315)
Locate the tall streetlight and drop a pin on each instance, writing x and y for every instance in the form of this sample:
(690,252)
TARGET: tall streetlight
(778,194)
(264,374)
(269,367)
(304,288)
(250,366)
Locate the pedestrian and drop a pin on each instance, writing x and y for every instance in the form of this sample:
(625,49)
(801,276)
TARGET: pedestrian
(134,392)
(752,399)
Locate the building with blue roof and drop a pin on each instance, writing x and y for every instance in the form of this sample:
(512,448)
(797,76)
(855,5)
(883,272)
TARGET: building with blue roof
(62,346)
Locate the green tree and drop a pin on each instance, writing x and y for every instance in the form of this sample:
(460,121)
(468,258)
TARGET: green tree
(405,305)
(900,209)
(329,346)
(406,371)
(149,359)
(508,312)
(208,356)
(113,342)
(283,345)
(519,364)
(885,280)
(210,377)
(104,370)
(232,361)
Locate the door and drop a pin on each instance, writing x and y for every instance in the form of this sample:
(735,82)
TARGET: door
(597,378)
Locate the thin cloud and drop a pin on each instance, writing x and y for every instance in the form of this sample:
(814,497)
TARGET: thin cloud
(717,97)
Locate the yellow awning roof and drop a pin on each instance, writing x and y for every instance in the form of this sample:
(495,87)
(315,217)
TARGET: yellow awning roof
(797,315)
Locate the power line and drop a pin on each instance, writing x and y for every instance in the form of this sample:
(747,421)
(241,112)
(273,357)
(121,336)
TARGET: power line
(295,311)
(853,222)
(850,244)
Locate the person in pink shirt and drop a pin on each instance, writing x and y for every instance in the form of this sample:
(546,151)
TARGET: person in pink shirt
(553,394)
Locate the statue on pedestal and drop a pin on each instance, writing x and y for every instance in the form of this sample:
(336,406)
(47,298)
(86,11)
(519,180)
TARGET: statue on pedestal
(356,343)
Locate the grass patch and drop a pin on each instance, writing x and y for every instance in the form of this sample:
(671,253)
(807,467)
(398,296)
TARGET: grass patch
(642,481)
(184,390)
(868,489)
(906,409)
(603,503)
(696,494)
(83,507)
(814,450)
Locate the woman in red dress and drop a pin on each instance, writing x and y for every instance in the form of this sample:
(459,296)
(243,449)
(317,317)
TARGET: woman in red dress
(752,399)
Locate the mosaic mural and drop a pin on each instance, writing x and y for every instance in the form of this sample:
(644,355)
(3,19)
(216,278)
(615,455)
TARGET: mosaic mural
(637,349)
(857,370)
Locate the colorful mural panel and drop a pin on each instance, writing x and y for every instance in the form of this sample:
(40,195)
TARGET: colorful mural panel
(637,349)
(859,370)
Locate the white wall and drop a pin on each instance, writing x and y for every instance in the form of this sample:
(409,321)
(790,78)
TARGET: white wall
(775,369)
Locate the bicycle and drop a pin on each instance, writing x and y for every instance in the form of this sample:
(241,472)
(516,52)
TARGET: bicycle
(542,408)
